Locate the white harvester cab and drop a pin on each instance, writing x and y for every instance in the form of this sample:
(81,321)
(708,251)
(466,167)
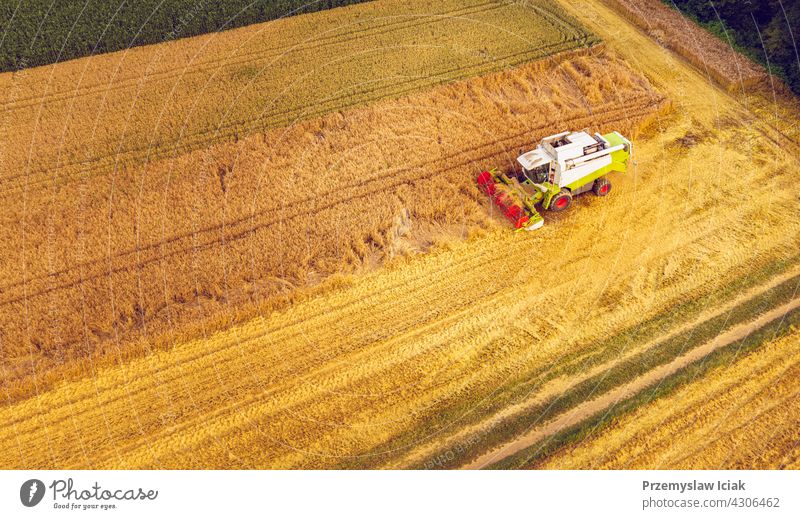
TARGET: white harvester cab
(567,158)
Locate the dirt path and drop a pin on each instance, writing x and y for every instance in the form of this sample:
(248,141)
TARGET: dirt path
(560,385)
(578,414)
(743,414)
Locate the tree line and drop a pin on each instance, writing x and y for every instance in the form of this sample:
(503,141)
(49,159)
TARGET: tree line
(767,31)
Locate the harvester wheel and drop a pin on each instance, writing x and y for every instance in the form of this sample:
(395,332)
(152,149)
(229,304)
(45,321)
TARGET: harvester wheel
(601,187)
(561,201)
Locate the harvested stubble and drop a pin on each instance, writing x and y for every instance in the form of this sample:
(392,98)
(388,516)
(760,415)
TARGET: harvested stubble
(336,379)
(157,247)
(604,369)
(740,416)
(376,366)
(707,52)
(86,117)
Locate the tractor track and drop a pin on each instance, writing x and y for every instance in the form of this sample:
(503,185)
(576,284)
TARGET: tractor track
(558,386)
(730,414)
(372,185)
(96,165)
(592,407)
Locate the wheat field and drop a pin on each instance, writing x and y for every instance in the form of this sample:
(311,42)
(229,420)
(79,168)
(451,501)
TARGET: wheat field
(412,357)
(162,246)
(365,375)
(182,182)
(75,120)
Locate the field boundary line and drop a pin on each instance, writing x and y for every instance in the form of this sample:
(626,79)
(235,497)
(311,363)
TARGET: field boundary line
(553,387)
(578,414)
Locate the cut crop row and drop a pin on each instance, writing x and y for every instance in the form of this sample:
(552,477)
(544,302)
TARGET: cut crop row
(76,120)
(185,238)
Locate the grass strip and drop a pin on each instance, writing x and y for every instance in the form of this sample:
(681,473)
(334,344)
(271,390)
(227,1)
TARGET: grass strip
(531,456)
(661,353)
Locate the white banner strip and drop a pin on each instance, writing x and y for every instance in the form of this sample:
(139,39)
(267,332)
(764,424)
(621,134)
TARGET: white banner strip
(400,494)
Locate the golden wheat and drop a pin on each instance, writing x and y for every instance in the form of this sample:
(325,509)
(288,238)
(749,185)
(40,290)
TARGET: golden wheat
(177,240)
(334,379)
(347,375)
(86,117)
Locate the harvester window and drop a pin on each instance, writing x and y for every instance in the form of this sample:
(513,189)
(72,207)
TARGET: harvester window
(538,174)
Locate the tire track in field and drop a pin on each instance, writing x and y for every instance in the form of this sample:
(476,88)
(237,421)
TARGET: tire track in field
(365,188)
(733,403)
(592,407)
(98,165)
(673,420)
(559,385)
(497,303)
(406,21)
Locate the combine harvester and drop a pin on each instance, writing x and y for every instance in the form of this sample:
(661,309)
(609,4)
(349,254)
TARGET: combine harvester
(562,166)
